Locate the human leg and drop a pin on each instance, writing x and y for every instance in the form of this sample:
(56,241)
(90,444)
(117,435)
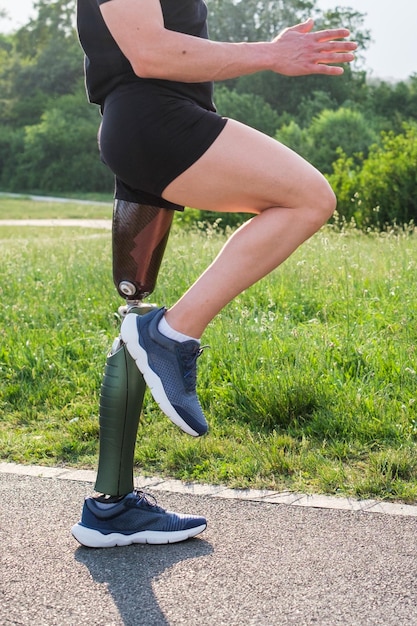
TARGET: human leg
(242,171)
(246,171)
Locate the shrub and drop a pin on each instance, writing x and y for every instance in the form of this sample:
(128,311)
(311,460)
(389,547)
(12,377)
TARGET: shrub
(329,132)
(383,190)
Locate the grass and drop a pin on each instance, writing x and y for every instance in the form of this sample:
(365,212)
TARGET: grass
(310,382)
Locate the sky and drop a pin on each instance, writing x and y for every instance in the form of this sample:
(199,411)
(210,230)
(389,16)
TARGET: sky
(393,53)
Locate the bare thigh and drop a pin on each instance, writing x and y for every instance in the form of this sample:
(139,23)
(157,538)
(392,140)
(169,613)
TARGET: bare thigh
(247,171)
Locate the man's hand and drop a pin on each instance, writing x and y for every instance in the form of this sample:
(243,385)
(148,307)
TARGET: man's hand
(299,51)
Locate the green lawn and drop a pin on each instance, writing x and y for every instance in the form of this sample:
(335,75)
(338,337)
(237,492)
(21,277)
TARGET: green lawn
(309,384)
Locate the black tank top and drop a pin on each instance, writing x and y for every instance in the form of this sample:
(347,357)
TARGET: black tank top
(106,67)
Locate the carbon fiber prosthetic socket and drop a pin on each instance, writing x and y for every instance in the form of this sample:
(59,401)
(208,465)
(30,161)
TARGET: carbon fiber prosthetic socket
(140,235)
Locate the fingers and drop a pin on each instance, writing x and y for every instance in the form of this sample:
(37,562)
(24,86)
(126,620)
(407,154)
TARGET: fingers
(330,34)
(302,52)
(327,70)
(304,27)
(335,52)
(338,46)
(323,64)
(346,57)
(330,51)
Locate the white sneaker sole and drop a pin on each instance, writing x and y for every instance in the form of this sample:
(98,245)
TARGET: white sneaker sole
(95,539)
(129,334)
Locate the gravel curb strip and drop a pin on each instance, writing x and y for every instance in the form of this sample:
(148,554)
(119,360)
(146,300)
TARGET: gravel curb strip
(218,491)
(81,223)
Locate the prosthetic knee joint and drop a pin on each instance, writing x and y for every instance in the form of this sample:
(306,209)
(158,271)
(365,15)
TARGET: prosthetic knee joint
(140,234)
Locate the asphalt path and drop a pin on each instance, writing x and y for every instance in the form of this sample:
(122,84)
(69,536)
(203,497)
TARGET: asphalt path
(256,564)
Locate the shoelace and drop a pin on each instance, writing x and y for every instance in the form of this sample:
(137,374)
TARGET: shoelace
(189,361)
(144,496)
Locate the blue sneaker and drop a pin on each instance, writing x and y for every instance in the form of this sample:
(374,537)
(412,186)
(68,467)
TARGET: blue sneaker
(136,518)
(169,369)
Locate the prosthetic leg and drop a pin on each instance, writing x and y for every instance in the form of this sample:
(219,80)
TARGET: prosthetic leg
(140,234)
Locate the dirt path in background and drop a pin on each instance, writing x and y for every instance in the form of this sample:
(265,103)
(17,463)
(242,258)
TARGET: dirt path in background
(87,223)
(51,199)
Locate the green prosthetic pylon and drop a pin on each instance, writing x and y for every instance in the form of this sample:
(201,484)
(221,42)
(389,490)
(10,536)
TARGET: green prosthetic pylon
(140,234)
(121,400)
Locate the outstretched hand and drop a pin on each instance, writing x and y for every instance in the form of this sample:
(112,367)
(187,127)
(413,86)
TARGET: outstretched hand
(299,51)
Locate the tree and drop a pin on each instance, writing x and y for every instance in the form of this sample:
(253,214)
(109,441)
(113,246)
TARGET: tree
(254,20)
(60,152)
(54,21)
(43,60)
(394,103)
(248,109)
(312,105)
(285,94)
(11,145)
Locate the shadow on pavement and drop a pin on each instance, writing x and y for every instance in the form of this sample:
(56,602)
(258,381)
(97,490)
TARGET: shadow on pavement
(129,573)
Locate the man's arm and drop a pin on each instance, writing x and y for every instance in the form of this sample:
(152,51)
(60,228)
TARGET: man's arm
(155,52)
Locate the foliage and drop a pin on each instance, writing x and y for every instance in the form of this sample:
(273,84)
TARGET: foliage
(393,104)
(65,135)
(342,128)
(254,20)
(247,108)
(381,190)
(44,60)
(328,132)
(286,94)
(54,21)
(312,105)
(11,145)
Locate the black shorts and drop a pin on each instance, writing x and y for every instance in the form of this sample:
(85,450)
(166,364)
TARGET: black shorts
(149,136)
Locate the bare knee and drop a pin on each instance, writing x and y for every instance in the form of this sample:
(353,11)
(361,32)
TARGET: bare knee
(322,204)
(329,200)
